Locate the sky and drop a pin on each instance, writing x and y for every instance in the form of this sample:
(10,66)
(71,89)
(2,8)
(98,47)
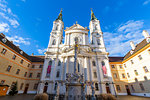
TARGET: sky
(28,23)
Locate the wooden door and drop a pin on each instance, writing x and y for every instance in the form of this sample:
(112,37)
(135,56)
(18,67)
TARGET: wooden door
(45,89)
(128,90)
(26,88)
(107,89)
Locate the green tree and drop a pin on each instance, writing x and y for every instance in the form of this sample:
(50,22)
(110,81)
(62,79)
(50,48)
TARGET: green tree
(13,89)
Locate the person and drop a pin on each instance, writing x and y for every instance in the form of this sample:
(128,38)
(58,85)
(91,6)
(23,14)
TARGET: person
(106,97)
(42,96)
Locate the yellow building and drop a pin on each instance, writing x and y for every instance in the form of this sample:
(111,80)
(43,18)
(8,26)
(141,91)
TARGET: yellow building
(16,65)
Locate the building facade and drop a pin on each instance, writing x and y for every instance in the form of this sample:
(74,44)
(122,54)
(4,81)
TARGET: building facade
(128,75)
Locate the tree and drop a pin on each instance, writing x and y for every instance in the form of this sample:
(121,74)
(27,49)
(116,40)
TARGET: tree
(13,89)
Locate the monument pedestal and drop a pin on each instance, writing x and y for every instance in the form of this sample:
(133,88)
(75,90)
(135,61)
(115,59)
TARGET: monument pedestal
(74,91)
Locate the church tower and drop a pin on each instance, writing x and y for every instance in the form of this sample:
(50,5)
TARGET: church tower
(57,32)
(96,34)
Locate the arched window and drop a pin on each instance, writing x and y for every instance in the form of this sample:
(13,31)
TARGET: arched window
(95,27)
(78,67)
(103,63)
(93,63)
(98,42)
(96,86)
(56,27)
(57,74)
(55,86)
(59,63)
(50,63)
(54,42)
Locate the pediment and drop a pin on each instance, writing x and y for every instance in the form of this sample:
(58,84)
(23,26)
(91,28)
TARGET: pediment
(76,27)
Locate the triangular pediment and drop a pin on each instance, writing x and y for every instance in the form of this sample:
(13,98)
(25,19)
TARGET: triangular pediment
(76,27)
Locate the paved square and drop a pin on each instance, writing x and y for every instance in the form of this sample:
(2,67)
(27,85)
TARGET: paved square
(30,97)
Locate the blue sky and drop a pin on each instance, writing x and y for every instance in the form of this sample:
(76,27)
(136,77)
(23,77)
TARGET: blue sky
(29,22)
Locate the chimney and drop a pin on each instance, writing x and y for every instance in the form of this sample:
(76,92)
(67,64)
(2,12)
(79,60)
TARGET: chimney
(145,34)
(11,41)
(132,45)
(2,34)
(32,54)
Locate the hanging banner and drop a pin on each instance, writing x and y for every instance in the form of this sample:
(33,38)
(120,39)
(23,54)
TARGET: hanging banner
(48,71)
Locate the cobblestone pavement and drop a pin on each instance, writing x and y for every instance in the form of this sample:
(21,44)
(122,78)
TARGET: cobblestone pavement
(30,97)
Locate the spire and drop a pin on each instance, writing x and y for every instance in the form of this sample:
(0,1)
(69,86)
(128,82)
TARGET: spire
(60,16)
(92,15)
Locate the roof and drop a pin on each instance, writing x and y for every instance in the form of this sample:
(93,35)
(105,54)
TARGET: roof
(12,46)
(76,27)
(137,48)
(37,58)
(115,59)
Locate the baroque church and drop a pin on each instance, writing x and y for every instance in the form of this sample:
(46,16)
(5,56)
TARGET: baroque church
(92,58)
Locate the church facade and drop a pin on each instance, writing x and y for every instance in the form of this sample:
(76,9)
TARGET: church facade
(92,58)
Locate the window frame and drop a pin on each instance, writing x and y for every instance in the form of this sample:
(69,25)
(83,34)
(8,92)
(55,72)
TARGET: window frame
(3,51)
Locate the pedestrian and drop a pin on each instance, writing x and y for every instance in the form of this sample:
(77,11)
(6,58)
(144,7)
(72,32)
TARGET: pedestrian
(42,96)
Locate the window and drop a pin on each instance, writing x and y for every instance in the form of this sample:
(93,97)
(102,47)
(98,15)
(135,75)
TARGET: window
(14,57)
(59,63)
(28,65)
(145,69)
(141,86)
(95,27)
(2,82)
(135,71)
(93,63)
(35,86)
(115,75)
(38,74)
(57,75)
(140,57)
(55,86)
(128,75)
(54,42)
(98,42)
(136,80)
(40,66)
(18,70)
(8,68)
(132,88)
(145,78)
(132,62)
(25,74)
(125,65)
(3,51)
(123,75)
(96,86)
(50,63)
(78,67)
(112,66)
(120,66)
(95,75)
(21,86)
(118,88)
(21,61)
(56,27)
(33,66)
(30,75)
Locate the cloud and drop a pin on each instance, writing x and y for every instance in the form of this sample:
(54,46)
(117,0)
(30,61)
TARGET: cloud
(23,0)
(41,51)
(4,27)
(19,40)
(12,21)
(118,42)
(146,2)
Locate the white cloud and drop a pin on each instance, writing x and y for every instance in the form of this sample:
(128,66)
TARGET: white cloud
(19,40)
(146,2)
(12,21)
(41,51)
(4,27)
(118,43)
(23,0)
